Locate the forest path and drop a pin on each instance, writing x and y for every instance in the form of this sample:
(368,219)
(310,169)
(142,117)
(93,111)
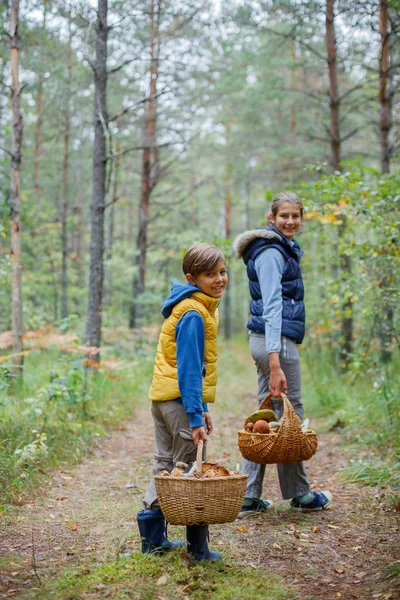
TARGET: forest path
(86,518)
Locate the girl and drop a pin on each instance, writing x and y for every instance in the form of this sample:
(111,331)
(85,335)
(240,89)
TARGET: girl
(276,326)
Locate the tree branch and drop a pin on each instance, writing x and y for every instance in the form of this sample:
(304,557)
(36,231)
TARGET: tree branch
(121,66)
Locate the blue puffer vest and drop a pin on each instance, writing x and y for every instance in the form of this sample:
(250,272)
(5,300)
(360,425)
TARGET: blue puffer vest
(248,246)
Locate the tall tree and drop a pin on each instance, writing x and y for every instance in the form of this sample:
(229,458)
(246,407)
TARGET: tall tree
(150,165)
(64,182)
(15,203)
(39,116)
(334,99)
(385,124)
(228,229)
(94,311)
(385,121)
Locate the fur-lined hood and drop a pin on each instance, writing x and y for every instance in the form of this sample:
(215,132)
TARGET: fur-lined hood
(241,242)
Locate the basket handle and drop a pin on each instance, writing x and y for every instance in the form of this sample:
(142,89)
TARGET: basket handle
(199,457)
(266,402)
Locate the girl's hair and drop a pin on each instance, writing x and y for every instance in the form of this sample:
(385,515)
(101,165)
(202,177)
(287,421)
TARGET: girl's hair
(283,198)
(200,258)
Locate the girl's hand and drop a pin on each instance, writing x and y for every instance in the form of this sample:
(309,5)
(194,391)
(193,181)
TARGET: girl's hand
(199,433)
(277,379)
(277,382)
(208,422)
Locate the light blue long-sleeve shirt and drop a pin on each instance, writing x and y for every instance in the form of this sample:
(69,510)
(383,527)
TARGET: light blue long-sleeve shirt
(269,266)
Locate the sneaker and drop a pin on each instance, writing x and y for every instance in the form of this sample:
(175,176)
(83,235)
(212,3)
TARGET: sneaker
(320,501)
(257,506)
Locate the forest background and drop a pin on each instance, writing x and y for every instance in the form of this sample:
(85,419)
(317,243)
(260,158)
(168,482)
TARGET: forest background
(130,130)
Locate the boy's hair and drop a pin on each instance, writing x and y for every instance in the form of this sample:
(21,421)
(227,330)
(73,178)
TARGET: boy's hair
(284,197)
(200,258)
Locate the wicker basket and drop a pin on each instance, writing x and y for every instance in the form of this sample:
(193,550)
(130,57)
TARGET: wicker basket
(197,501)
(288,445)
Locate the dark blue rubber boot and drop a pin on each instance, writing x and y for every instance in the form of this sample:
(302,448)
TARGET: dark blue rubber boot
(152,528)
(197,543)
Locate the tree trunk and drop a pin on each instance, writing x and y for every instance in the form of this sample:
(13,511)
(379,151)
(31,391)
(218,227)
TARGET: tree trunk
(292,107)
(293,87)
(39,119)
(334,102)
(385,122)
(385,323)
(111,225)
(64,183)
(16,135)
(228,234)
(77,239)
(94,313)
(150,169)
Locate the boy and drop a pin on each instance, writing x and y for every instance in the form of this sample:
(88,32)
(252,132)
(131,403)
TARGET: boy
(184,381)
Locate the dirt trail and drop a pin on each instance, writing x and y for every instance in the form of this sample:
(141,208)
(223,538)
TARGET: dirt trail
(87,515)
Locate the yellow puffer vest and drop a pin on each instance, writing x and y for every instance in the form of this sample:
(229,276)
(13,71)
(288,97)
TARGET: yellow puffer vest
(165,377)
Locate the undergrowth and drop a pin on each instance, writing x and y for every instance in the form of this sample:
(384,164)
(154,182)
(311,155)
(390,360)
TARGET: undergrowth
(63,404)
(364,408)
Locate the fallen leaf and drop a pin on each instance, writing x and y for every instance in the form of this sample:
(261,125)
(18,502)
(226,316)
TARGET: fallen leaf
(338,594)
(340,571)
(61,499)
(277,546)
(162,580)
(74,527)
(243,529)
(315,529)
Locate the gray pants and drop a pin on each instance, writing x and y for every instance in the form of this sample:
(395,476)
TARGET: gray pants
(173,443)
(292,477)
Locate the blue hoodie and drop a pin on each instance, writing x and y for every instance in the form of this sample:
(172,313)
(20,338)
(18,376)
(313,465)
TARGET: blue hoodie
(189,337)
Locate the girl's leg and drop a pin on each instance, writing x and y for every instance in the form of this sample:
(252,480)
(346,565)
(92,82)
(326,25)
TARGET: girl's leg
(292,477)
(255,471)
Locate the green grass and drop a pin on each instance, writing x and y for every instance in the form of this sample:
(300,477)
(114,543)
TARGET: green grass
(171,576)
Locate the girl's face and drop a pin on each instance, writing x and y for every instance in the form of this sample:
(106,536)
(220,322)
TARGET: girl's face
(287,220)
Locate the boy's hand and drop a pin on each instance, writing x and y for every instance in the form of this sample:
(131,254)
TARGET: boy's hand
(199,433)
(208,422)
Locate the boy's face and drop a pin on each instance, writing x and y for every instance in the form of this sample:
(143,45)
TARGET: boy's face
(211,282)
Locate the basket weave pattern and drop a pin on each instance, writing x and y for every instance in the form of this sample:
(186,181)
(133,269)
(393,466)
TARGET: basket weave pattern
(289,445)
(197,501)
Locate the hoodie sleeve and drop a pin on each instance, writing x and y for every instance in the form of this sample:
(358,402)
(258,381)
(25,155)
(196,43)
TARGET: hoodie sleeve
(189,335)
